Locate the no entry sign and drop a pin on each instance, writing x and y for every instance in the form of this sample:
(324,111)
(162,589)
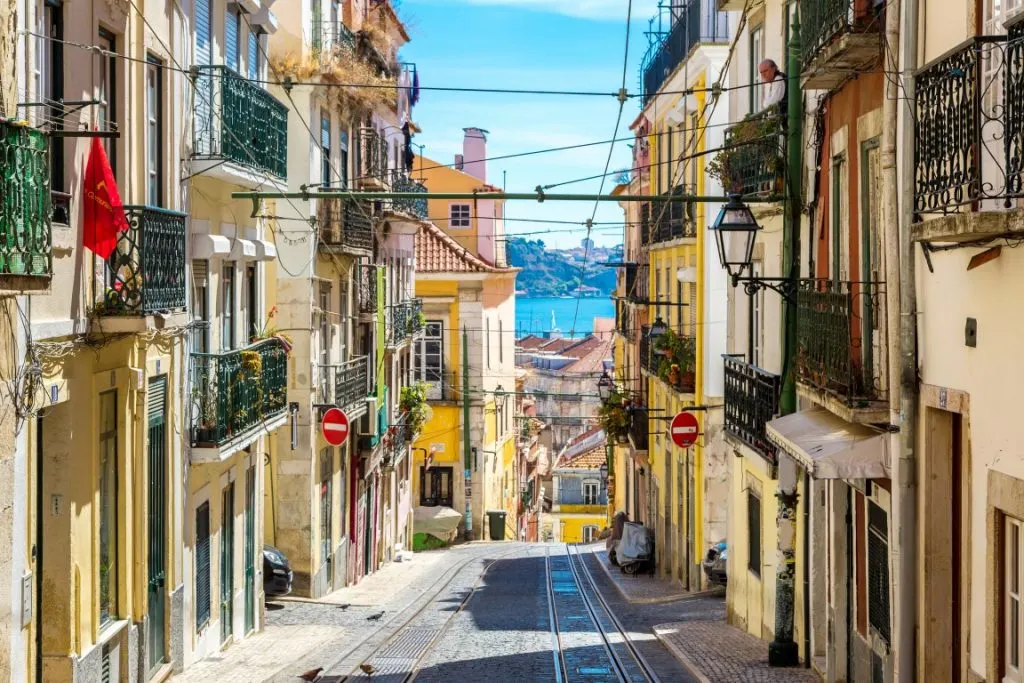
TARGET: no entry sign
(335,426)
(684,429)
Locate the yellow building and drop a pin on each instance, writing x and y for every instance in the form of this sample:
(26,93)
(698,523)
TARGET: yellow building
(579,493)
(469,304)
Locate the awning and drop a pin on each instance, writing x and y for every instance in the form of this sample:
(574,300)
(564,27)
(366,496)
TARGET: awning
(830,447)
(265,251)
(243,250)
(206,246)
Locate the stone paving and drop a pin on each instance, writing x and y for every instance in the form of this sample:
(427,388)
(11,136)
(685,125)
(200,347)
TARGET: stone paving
(638,589)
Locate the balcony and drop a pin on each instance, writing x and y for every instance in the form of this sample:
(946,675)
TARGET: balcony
(367,286)
(696,22)
(237,396)
(396,442)
(442,384)
(658,361)
(839,38)
(841,348)
(405,320)
(332,36)
(371,159)
(625,319)
(346,225)
(238,123)
(752,162)
(417,208)
(751,401)
(968,151)
(145,273)
(26,206)
(671,220)
(639,427)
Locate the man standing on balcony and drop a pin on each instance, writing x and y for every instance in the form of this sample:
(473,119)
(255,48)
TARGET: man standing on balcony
(775,85)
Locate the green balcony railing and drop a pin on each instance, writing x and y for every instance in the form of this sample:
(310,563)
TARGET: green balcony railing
(146,271)
(239,122)
(752,160)
(367,281)
(405,320)
(751,401)
(413,207)
(236,391)
(824,21)
(329,36)
(351,381)
(396,442)
(346,224)
(25,231)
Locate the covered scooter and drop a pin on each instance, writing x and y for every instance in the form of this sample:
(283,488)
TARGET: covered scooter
(611,545)
(635,551)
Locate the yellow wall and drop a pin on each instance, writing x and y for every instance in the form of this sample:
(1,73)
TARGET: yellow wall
(572,525)
(439,178)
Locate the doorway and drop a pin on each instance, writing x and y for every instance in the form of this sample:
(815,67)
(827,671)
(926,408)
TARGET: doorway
(157,526)
(250,549)
(227,562)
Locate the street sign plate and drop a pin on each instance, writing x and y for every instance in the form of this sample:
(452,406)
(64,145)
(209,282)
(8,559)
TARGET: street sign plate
(684,429)
(335,426)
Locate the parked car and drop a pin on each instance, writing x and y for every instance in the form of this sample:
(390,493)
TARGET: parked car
(277,573)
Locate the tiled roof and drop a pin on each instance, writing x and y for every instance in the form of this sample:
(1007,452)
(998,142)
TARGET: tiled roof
(594,359)
(531,341)
(589,460)
(585,451)
(581,349)
(436,252)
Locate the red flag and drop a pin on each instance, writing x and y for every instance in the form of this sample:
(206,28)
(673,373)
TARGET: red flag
(103,214)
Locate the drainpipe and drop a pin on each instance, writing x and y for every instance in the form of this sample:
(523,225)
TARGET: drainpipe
(904,473)
(808,655)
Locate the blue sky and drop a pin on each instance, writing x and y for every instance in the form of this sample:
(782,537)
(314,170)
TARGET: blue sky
(530,44)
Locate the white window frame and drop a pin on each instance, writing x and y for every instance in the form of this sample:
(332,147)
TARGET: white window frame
(590,533)
(1013,586)
(154,130)
(460,215)
(594,486)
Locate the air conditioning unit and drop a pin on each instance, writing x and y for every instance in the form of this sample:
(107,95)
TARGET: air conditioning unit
(368,425)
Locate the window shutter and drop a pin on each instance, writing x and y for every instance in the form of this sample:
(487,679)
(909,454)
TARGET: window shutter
(231,22)
(156,400)
(254,54)
(202,564)
(204,45)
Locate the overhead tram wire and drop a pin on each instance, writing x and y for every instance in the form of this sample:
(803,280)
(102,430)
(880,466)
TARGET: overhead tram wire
(611,149)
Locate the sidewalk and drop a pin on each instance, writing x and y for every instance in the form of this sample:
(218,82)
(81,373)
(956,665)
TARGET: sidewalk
(718,653)
(639,588)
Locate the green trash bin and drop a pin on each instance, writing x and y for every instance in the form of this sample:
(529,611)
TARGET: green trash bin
(496,524)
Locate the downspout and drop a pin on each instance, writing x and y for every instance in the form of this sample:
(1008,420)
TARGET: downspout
(808,655)
(905,471)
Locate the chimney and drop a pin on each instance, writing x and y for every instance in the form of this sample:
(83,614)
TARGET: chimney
(474,151)
(458,162)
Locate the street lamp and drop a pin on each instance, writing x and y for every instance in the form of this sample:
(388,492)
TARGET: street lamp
(735,231)
(657,329)
(604,472)
(605,386)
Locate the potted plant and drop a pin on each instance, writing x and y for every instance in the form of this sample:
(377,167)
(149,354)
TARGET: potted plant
(613,416)
(752,152)
(413,405)
(252,361)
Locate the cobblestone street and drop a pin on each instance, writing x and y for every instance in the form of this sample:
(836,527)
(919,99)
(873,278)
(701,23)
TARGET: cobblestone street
(485,612)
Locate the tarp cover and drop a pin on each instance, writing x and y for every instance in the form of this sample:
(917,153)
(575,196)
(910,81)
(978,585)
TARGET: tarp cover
(437,521)
(830,447)
(634,544)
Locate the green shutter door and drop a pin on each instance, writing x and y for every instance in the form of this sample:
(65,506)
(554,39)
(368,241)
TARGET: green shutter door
(227,562)
(157,528)
(250,549)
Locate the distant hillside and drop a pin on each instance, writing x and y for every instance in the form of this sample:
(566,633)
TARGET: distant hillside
(556,272)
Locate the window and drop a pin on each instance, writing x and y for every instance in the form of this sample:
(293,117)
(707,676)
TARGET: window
(436,486)
(458,215)
(487,341)
(204,32)
(202,565)
(200,304)
(325,147)
(753,533)
(227,308)
(154,132)
(591,492)
(840,231)
(589,533)
(255,56)
(53,75)
(753,71)
(430,363)
(501,343)
(325,325)
(326,510)
(878,570)
(108,506)
(1014,612)
(343,157)
(252,302)
(108,95)
(232,29)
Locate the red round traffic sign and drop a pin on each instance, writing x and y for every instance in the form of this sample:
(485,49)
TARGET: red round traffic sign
(684,429)
(335,426)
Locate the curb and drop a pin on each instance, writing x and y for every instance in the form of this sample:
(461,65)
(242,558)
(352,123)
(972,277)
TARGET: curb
(674,597)
(694,670)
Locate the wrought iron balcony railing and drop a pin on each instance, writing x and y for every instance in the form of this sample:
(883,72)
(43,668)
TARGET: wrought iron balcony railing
(351,381)
(968,143)
(367,274)
(751,401)
(752,161)
(239,122)
(413,207)
(329,36)
(146,271)
(345,224)
(396,442)
(645,224)
(841,347)
(639,427)
(673,219)
(405,320)
(372,156)
(823,22)
(236,391)
(25,210)
(656,363)
(625,319)
(695,22)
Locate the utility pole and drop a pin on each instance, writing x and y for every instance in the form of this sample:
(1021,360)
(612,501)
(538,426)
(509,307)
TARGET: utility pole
(783,651)
(467,455)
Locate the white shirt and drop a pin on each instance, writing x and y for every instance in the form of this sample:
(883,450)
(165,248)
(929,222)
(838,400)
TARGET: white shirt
(774,91)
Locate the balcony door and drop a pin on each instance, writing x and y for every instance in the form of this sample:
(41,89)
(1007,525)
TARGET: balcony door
(872,310)
(227,562)
(430,360)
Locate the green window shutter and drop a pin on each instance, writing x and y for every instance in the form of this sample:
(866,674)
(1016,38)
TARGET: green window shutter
(202,565)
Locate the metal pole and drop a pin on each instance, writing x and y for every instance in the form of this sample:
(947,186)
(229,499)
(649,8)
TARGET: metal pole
(467,457)
(783,651)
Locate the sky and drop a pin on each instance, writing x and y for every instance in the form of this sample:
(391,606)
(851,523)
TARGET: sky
(531,44)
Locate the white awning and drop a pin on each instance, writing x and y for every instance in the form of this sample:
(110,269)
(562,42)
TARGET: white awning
(243,250)
(265,251)
(830,447)
(205,246)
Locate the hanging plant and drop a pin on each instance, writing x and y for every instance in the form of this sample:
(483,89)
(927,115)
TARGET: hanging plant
(613,416)
(413,404)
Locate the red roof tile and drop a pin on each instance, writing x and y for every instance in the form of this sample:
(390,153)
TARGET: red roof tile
(436,252)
